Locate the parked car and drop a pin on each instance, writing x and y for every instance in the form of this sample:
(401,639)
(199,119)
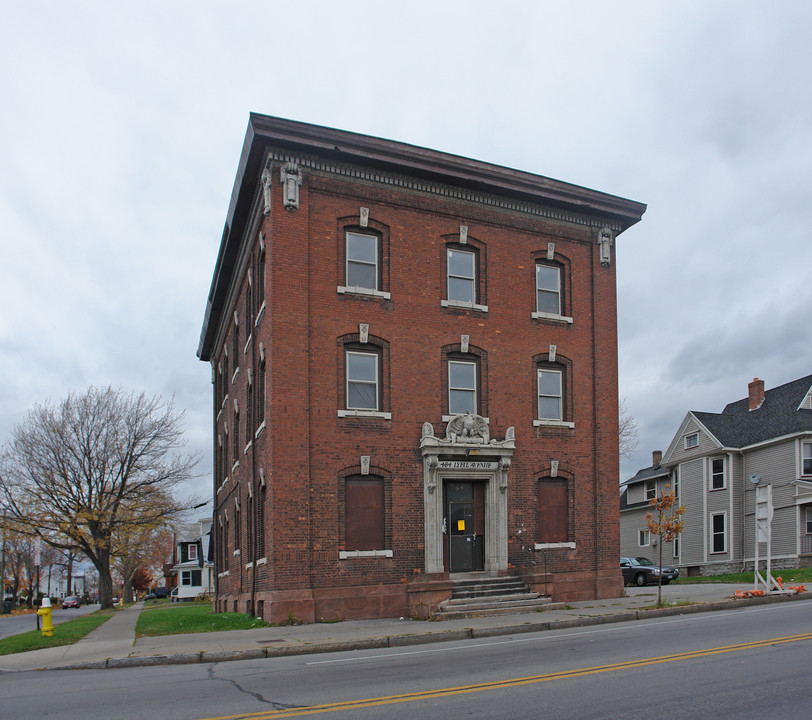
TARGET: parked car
(642,571)
(161,592)
(71,601)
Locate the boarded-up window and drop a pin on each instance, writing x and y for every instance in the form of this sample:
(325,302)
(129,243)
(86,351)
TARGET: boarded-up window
(553,511)
(363,514)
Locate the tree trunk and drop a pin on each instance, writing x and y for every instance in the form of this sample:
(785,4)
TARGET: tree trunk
(105,581)
(660,576)
(127,590)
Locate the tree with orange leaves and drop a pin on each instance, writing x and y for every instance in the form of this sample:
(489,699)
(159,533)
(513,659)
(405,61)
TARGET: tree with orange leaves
(665,524)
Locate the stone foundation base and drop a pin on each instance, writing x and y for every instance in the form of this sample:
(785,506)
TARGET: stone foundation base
(566,587)
(417,598)
(330,604)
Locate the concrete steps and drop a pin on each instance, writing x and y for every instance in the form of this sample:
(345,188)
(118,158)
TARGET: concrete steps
(481,596)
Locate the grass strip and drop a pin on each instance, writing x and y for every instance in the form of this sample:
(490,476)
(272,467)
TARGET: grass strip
(65,633)
(789,576)
(189,618)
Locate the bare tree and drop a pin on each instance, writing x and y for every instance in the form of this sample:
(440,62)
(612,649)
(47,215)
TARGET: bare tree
(627,431)
(94,465)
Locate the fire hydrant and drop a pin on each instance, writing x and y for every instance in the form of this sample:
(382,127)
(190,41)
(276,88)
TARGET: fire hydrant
(45,613)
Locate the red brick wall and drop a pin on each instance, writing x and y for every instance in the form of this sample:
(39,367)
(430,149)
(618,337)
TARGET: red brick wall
(306,449)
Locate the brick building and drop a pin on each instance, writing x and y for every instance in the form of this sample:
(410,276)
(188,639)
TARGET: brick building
(414,361)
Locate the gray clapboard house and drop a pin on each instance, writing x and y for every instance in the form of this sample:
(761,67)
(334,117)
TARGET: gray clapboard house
(714,463)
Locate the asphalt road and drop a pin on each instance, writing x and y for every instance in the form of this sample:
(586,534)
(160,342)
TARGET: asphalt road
(747,663)
(15,624)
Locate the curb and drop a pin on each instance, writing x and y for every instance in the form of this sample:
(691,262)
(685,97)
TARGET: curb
(393,641)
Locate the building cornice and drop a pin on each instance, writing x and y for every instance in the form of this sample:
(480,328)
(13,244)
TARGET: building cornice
(392,164)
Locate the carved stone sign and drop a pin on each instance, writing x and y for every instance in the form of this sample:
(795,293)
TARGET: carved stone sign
(467,465)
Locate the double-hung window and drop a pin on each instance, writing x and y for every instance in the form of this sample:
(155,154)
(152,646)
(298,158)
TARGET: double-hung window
(717,474)
(718,533)
(461,271)
(550,404)
(362,261)
(651,489)
(807,458)
(362,380)
(462,387)
(548,289)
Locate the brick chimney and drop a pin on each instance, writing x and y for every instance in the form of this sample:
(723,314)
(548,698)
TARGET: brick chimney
(656,458)
(756,393)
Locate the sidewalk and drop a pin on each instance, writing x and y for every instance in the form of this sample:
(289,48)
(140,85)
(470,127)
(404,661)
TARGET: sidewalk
(114,644)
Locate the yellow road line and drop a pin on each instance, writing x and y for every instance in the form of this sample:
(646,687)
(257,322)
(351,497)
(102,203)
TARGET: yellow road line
(513,682)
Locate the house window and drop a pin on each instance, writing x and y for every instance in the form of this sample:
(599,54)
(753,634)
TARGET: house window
(553,511)
(718,533)
(250,537)
(249,308)
(364,513)
(190,577)
(362,261)
(807,458)
(462,387)
(259,291)
(461,276)
(235,438)
(362,380)
(644,538)
(235,346)
(249,401)
(691,441)
(548,289)
(717,474)
(237,533)
(225,563)
(191,550)
(675,546)
(260,530)
(808,520)
(259,399)
(651,489)
(550,397)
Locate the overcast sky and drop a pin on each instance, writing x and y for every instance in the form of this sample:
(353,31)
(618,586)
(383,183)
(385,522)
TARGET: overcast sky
(122,126)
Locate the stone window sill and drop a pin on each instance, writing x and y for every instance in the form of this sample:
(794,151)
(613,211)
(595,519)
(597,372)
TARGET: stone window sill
(550,316)
(553,423)
(368,292)
(350,554)
(365,414)
(555,546)
(463,305)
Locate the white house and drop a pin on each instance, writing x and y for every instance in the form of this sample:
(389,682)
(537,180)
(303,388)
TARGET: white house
(193,569)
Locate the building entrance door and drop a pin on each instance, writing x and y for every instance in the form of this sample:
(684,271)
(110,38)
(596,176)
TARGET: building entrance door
(465,523)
